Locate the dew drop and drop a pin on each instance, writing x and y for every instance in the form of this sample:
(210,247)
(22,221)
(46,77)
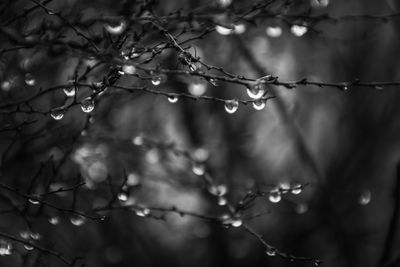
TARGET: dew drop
(69,91)
(231,106)
(296,189)
(259,104)
(156,80)
(133,179)
(256,91)
(24,234)
(54,220)
(298,30)
(198,169)
(35,236)
(218,190)
(29,80)
(197,89)
(5,248)
(275,196)
(57,113)
(116,29)
(239,29)
(365,198)
(236,222)
(34,201)
(87,105)
(271,251)
(173,98)
(122,196)
(214,82)
(129,69)
(222,201)
(142,212)
(223,30)
(77,220)
(273,31)
(319,3)
(224,3)
(28,247)
(138,140)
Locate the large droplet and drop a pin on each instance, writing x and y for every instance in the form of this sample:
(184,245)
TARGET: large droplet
(158,79)
(298,30)
(87,105)
(256,91)
(69,91)
(275,196)
(231,106)
(133,179)
(270,251)
(259,104)
(30,80)
(142,212)
(237,222)
(35,236)
(198,168)
(129,69)
(296,189)
(116,29)
(5,248)
(173,98)
(77,220)
(222,201)
(223,30)
(218,190)
(273,31)
(197,89)
(54,220)
(57,113)
(319,3)
(365,197)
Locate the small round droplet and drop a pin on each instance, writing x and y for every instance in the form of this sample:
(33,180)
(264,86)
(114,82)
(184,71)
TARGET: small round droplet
(223,30)
(35,236)
(30,80)
(78,220)
(259,104)
(214,82)
(218,190)
(129,69)
(87,105)
(198,169)
(123,196)
(271,251)
(28,247)
(25,234)
(173,98)
(143,212)
(133,179)
(57,113)
(378,87)
(222,201)
(319,3)
(236,222)
(239,29)
(273,31)
(275,196)
(138,140)
(69,91)
(231,106)
(34,201)
(54,220)
(365,197)
(156,80)
(116,29)
(224,3)
(296,189)
(298,30)
(197,89)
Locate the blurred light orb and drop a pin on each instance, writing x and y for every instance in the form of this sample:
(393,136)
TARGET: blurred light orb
(236,223)
(198,169)
(138,140)
(231,106)
(116,29)
(301,208)
(87,105)
(218,190)
(6,86)
(319,3)
(239,29)
(142,212)
(298,30)
(97,172)
(5,248)
(77,220)
(133,179)
(129,69)
(365,197)
(152,156)
(273,31)
(223,30)
(54,220)
(201,154)
(197,89)
(222,201)
(224,3)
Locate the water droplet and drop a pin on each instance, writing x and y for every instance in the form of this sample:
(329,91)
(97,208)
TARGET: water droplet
(201,154)
(285,186)
(273,31)
(298,30)
(69,91)
(87,105)
(223,30)
(296,189)
(224,3)
(129,69)
(173,98)
(34,200)
(28,247)
(345,88)
(231,106)
(35,236)
(29,80)
(54,220)
(319,3)
(156,80)
(271,251)
(133,179)
(24,234)
(275,196)
(197,89)
(378,87)
(142,212)
(138,140)
(365,197)
(236,222)
(239,29)
(57,113)
(116,29)
(214,82)
(222,201)
(256,91)
(259,104)
(5,248)
(6,86)
(77,220)
(198,168)
(123,196)
(218,190)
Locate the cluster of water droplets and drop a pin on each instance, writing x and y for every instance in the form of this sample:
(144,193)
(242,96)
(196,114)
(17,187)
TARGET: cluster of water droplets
(29,237)
(77,220)
(5,248)
(275,195)
(230,221)
(87,105)
(220,192)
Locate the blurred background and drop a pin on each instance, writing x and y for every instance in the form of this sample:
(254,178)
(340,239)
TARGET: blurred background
(342,146)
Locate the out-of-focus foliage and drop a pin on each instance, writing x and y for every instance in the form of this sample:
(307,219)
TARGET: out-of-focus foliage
(199,133)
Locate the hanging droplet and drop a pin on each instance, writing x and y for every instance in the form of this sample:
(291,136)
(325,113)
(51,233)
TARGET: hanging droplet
(192,67)
(275,196)
(54,220)
(78,220)
(133,179)
(231,106)
(378,87)
(142,212)
(236,222)
(239,29)
(218,190)
(116,29)
(296,189)
(24,234)
(35,236)
(173,98)
(223,30)
(298,30)
(222,201)
(157,79)
(129,69)
(34,201)
(365,197)
(197,89)
(319,3)
(271,251)
(6,86)
(28,247)
(198,168)
(224,3)
(57,113)
(69,91)
(29,80)
(87,105)
(5,248)
(259,104)
(285,186)
(123,196)
(138,140)
(256,91)
(273,31)
(317,262)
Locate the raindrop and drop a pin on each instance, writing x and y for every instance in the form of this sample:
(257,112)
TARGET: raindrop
(173,98)
(218,190)
(129,69)
(197,89)
(239,29)
(273,31)
(214,82)
(317,262)
(29,80)
(296,189)
(271,251)
(298,30)
(28,247)
(224,3)
(378,87)
(256,91)
(222,201)
(57,113)
(223,30)
(116,29)
(54,220)
(87,105)
(34,201)
(143,212)
(259,104)
(25,234)
(198,168)
(78,220)
(319,3)
(157,80)
(35,236)
(122,196)
(69,91)
(275,196)
(5,248)
(284,186)
(231,106)
(133,179)
(365,197)
(236,222)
